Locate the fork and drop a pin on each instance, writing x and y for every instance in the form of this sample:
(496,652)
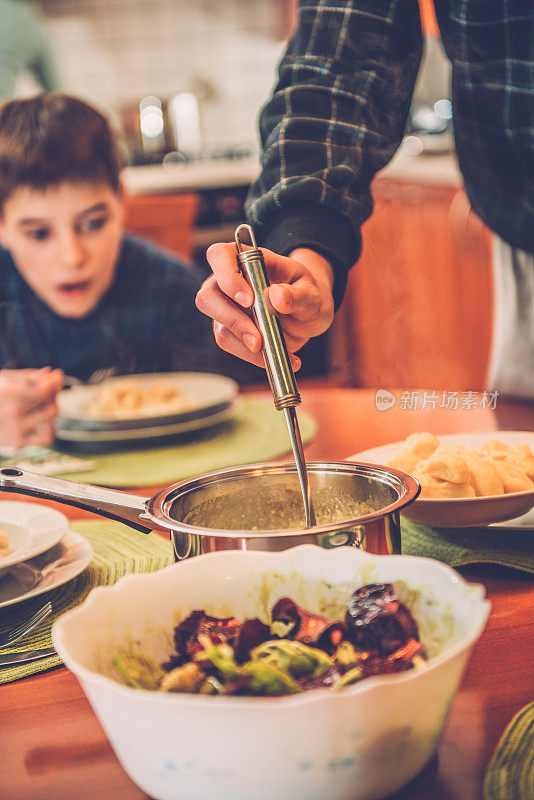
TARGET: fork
(12,636)
(98,376)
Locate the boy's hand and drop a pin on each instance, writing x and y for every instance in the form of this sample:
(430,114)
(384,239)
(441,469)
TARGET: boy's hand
(300,293)
(28,406)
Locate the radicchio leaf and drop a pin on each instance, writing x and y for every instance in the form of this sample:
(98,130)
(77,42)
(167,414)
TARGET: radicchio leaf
(377,621)
(332,636)
(399,661)
(306,627)
(253,633)
(198,623)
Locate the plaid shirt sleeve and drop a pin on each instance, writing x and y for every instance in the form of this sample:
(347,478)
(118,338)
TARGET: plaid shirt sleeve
(335,118)
(491,47)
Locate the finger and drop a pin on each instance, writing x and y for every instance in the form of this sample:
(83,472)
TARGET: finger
(28,374)
(43,416)
(21,434)
(41,436)
(212,302)
(42,391)
(282,269)
(294,342)
(13,374)
(57,380)
(231,344)
(222,258)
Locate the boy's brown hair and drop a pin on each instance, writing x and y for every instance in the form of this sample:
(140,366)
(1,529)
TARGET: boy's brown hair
(53,138)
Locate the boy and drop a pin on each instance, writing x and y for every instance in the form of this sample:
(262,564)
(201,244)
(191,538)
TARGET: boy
(76,295)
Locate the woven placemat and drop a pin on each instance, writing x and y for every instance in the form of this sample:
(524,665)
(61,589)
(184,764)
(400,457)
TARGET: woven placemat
(257,432)
(118,551)
(459,546)
(510,774)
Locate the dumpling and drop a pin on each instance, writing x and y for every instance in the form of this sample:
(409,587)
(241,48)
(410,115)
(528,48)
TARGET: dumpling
(4,545)
(447,467)
(495,449)
(523,457)
(116,397)
(162,391)
(446,448)
(513,477)
(418,447)
(484,476)
(448,470)
(432,488)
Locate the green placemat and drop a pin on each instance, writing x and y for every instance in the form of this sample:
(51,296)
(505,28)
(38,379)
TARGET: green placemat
(510,774)
(117,551)
(460,546)
(256,433)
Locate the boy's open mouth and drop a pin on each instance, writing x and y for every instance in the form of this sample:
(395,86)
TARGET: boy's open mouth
(74,288)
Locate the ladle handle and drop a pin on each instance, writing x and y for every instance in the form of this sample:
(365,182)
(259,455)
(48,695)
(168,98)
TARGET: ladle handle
(277,361)
(127,508)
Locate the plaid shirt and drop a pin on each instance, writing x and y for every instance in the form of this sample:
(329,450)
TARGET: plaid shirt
(146,322)
(339,111)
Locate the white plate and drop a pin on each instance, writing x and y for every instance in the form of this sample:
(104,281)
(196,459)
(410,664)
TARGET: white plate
(141,434)
(60,564)
(511,511)
(30,528)
(206,393)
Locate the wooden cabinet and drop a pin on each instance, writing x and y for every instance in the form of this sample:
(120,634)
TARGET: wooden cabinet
(418,308)
(165,219)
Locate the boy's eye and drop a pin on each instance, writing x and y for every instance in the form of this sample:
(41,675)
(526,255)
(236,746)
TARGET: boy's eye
(39,234)
(93,224)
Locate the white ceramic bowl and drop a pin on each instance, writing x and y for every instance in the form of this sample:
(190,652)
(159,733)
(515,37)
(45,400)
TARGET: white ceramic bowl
(362,743)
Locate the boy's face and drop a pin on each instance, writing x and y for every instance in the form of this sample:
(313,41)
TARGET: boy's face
(65,242)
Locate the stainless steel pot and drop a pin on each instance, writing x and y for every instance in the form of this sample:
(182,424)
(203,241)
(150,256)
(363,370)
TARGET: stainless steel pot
(255,507)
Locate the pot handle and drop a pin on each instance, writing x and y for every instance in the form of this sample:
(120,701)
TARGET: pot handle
(127,508)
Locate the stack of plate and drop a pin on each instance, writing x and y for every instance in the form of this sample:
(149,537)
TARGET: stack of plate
(45,553)
(210,399)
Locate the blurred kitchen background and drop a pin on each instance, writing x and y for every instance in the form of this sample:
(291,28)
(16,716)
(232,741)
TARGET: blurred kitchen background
(185,79)
(222,55)
(117,52)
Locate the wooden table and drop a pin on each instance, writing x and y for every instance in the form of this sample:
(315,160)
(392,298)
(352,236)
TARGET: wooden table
(53,748)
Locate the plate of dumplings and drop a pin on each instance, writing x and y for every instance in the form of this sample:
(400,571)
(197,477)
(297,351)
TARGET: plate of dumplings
(135,409)
(467,479)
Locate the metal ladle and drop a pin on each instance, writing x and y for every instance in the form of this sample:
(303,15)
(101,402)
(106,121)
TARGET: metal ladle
(277,363)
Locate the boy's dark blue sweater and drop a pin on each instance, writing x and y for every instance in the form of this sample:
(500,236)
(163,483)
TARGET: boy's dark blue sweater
(146,322)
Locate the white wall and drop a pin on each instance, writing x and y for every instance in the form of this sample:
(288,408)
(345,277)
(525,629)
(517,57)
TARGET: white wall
(116,51)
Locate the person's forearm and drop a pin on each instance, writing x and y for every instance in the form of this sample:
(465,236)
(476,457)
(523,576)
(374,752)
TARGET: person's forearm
(335,118)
